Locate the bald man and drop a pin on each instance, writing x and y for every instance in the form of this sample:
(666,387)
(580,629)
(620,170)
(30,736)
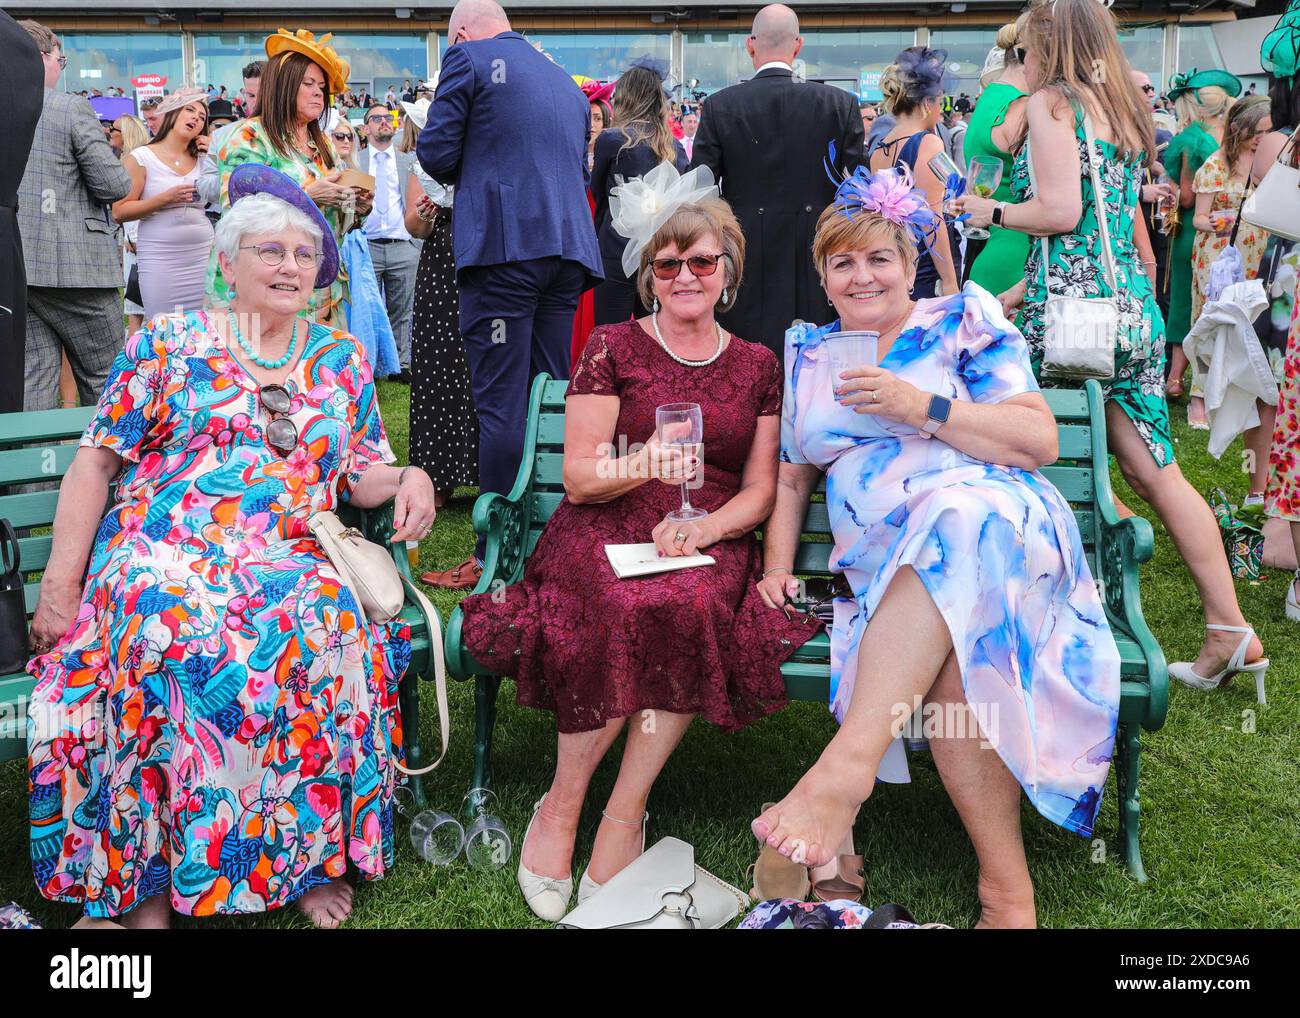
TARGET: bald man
(766,140)
(508,128)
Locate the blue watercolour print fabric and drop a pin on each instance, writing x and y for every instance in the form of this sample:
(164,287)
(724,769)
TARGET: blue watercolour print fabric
(997,548)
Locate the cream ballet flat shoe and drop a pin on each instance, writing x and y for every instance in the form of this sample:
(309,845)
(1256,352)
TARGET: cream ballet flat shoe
(1184,673)
(548,897)
(586,886)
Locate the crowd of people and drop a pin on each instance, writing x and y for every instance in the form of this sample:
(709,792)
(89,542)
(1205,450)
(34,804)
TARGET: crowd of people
(476,230)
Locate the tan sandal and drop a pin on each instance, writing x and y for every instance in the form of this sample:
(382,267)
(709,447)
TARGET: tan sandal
(776,876)
(844,877)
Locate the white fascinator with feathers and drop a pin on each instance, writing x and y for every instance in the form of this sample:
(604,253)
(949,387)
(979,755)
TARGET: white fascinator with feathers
(640,206)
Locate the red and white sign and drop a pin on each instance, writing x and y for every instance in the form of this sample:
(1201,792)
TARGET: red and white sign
(149,80)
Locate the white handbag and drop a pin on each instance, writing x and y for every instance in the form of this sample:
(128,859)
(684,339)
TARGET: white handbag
(1080,333)
(369,571)
(1275,204)
(662,889)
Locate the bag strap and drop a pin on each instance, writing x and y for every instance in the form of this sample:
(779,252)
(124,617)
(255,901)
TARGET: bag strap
(439,677)
(1245,193)
(9,548)
(1099,199)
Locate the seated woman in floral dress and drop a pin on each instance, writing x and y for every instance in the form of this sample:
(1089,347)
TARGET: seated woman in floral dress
(964,559)
(660,649)
(214,727)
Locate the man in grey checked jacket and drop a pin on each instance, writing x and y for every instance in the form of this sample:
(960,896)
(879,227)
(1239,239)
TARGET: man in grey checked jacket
(74,267)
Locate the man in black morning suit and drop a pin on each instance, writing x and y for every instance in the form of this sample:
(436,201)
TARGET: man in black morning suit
(767,140)
(22,83)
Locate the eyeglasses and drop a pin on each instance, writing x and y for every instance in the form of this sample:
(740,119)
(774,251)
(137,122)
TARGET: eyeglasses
(281,432)
(273,254)
(700,266)
(63,61)
(378,118)
(341,136)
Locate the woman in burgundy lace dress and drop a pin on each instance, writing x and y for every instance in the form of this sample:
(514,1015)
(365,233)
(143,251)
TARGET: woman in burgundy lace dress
(660,649)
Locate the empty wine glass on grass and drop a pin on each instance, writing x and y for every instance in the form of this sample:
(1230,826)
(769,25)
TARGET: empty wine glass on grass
(437,837)
(982,179)
(680,426)
(487,842)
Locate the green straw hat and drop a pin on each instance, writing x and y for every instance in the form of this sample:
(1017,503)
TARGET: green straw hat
(1194,80)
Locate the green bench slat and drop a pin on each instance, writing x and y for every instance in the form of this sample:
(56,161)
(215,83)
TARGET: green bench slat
(1074,483)
(1074,442)
(32,509)
(1068,404)
(14,692)
(44,425)
(22,466)
(550,429)
(34,552)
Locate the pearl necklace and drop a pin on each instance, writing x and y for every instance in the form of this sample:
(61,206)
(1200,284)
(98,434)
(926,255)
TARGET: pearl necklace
(247,347)
(722,339)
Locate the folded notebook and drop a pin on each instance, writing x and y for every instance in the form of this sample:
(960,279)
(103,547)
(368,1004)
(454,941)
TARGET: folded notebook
(631,560)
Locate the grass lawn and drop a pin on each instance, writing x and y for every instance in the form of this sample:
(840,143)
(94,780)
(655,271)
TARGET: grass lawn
(1219,800)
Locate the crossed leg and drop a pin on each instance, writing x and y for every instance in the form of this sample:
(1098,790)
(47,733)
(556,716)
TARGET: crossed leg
(899,659)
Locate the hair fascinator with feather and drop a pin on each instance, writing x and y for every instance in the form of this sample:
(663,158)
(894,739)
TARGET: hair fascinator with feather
(890,194)
(639,207)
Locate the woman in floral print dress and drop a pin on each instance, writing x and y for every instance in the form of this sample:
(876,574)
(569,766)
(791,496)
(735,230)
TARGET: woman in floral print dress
(1060,205)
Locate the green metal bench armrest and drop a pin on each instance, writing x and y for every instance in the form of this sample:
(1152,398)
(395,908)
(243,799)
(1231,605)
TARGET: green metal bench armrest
(1122,546)
(503,521)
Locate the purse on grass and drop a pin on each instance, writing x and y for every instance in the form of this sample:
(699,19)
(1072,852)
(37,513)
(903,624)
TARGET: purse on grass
(14,646)
(369,572)
(1080,333)
(662,889)
(1274,205)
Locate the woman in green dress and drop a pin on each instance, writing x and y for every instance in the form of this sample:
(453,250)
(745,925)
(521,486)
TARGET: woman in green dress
(301,75)
(1060,206)
(1202,99)
(996,127)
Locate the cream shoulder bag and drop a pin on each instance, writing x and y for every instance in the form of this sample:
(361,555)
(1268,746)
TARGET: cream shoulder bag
(369,571)
(1080,333)
(1274,205)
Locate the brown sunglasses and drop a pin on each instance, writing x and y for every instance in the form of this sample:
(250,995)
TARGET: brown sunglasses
(700,266)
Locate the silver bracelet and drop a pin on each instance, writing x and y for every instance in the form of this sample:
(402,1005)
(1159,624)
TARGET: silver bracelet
(774,569)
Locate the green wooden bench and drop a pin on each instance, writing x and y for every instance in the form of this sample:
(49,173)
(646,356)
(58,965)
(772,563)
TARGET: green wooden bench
(1115,547)
(39,446)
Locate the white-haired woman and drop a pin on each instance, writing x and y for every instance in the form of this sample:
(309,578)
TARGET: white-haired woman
(214,725)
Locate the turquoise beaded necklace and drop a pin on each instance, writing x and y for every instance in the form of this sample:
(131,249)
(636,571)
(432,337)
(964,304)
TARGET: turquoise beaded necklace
(247,347)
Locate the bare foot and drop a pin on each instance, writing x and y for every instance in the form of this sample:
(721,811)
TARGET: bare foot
(151,914)
(818,814)
(617,846)
(548,850)
(1003,909)
(1218,649)
(328,905)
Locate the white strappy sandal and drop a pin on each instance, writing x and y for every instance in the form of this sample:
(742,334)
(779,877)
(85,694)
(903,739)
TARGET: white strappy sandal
(1292,602)
(548,897)
(586,886)
(1184,673)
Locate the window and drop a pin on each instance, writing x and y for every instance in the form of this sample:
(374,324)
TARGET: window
(1145,49)
(600,55)
(1197,48)
(967,50)
(717,59)
(853,58)
(220,59)
(382,59)
(107,60)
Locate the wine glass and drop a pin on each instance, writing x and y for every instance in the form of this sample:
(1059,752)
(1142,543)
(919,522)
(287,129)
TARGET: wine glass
(943,167)
(487,842)
(983,179)
(680,426)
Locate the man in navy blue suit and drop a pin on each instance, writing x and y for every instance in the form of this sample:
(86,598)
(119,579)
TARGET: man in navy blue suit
(509,129)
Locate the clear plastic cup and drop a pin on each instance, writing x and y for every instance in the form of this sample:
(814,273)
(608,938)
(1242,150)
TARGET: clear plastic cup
(437,837)
(847,350)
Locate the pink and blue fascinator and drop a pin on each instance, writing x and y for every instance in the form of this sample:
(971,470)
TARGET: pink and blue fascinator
(890,194)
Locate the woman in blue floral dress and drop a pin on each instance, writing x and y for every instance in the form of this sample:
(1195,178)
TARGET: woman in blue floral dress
(214,727)
(1061,206)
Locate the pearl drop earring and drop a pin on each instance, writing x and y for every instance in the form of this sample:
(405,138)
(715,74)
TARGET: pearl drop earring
(724,295)
(656,306)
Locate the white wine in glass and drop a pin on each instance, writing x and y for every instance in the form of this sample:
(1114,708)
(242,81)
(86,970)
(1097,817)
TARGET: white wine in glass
(985,174)
(680,426)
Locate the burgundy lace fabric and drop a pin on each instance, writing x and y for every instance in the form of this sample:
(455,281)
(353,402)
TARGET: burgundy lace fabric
(591,647)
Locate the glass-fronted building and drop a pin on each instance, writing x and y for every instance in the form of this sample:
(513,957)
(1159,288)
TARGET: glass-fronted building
(701,46)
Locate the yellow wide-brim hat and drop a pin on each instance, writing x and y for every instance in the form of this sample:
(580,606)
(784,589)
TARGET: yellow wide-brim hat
(302,41)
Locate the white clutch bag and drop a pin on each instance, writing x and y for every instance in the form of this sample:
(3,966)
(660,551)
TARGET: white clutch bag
(1275,204)
(661,890)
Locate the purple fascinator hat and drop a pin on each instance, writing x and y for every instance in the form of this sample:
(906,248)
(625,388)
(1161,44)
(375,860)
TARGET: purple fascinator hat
(925,72)
(258,178)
